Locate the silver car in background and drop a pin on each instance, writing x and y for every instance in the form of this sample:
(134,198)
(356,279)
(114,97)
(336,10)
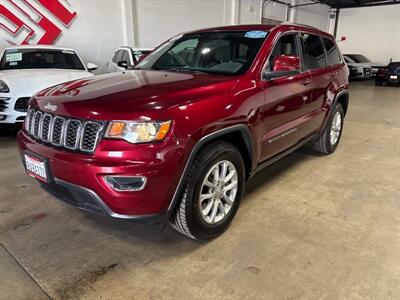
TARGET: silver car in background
(126,57)
(363,65)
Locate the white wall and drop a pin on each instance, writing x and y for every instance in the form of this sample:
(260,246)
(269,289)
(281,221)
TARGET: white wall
(157,20)
(95,32)
(316,15)
(101,26)
(373,32)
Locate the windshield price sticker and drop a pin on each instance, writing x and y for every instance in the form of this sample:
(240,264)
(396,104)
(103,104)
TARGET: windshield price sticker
(68,52)
(12,57)
(256,34)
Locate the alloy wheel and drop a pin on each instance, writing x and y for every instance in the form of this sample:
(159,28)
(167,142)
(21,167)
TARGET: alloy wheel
(218,192)
(336,127)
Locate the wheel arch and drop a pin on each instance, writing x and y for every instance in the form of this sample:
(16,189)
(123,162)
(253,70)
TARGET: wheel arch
(238,135)
(343,99)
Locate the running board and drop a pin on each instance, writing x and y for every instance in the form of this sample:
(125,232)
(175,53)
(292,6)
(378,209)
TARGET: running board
(281,155)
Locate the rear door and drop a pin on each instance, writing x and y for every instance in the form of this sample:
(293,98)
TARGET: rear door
(314,60)
(337,72)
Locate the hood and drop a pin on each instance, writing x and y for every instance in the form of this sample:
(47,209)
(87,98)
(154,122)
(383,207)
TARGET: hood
(26,82)
(359,65)
(130,94)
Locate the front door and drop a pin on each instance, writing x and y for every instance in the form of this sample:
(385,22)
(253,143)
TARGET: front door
(285,99)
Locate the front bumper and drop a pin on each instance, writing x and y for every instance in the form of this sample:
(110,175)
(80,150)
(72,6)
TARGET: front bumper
(79,178)
(8,112)
(89,201)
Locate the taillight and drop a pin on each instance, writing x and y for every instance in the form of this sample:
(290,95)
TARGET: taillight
(381,70)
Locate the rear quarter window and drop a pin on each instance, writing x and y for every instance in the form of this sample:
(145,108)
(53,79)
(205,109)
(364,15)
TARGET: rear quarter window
(332,52)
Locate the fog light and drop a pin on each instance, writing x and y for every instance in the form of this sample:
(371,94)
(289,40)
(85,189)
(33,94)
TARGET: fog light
(2,118)
(126,183)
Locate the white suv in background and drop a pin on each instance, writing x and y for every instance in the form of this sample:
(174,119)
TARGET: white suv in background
(26,70)
(126,57)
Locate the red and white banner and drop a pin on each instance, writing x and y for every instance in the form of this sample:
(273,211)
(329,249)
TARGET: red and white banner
(34,21)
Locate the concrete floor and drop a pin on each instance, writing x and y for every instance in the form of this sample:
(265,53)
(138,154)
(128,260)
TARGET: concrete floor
(309,227)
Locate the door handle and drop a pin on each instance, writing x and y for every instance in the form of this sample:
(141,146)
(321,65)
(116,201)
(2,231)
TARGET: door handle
(306,82)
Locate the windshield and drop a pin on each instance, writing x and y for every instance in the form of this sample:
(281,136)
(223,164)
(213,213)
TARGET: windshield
(226,53)
(358,58)
(40,59)
(349,60)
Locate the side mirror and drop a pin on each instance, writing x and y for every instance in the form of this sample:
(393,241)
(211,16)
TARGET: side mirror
(284,65)
(91,67)
(123,64)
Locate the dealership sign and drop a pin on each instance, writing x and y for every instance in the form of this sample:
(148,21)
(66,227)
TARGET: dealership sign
(34,21)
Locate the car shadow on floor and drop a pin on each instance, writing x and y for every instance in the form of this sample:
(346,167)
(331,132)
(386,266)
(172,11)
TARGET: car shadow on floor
(9,131)
(164,234)
(266,177)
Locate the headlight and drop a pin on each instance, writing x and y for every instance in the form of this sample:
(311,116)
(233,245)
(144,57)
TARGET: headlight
(4,87)
(138,132)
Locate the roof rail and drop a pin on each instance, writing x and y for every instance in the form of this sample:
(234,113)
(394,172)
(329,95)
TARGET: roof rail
(298,24)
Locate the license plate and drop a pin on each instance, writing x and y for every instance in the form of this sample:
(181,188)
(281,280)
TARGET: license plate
(36,168)
(393,77)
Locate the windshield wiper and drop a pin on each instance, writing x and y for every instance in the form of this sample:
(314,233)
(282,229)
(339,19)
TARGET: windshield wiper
(178,69)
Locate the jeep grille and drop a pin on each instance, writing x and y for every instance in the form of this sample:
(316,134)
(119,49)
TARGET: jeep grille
(72,134)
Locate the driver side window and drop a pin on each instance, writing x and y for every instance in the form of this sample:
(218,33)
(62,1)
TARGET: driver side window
(286,46)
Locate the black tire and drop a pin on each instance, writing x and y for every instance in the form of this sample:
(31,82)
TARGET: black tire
(378,82)
(187,219)
(323,144)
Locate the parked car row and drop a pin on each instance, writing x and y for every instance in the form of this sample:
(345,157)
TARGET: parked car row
(26,70)
(389,74)
(361,67)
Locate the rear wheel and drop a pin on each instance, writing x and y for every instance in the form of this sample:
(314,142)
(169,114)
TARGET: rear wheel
(212,192)
(329,140)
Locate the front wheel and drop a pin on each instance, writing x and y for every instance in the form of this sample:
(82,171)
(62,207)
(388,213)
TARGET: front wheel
(212,192)
(329,139)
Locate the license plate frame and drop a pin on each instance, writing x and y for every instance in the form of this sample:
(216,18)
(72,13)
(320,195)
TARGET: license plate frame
(37,167)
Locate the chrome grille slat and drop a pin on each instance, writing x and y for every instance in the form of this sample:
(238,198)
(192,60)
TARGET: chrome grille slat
(36,123)
(71,134)
(90,136)
(57,129)
(31,117)
(45,127)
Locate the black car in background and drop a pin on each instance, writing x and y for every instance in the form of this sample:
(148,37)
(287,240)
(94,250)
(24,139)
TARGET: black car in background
(389,74)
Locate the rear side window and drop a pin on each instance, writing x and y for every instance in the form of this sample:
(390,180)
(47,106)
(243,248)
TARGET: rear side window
(114,58)
(125,57)
(332,52)
(119,55)
(313,51)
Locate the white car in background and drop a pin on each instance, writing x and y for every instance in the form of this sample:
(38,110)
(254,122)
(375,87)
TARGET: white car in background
(26,70)
(126,57)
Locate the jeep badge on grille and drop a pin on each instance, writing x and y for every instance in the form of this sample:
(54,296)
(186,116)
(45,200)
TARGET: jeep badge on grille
(50,107)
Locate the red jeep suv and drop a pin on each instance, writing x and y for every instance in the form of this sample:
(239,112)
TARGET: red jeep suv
(175,139)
